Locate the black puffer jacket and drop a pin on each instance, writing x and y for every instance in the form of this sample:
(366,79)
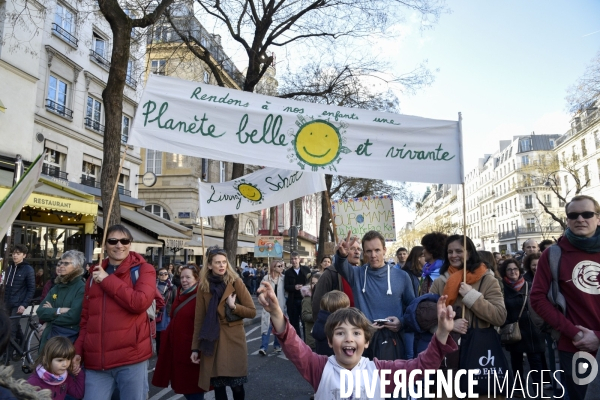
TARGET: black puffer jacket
(20,285)
(532,340)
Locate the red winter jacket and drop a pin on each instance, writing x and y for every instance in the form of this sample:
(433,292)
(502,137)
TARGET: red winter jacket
(578,282)
(115,329)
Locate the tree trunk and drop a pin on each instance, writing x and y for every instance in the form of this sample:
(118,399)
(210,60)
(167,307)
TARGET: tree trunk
(112,97)
(325,217)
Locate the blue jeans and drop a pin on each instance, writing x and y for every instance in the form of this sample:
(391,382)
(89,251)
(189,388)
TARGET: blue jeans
(194,396)
(265,340)
(131,380)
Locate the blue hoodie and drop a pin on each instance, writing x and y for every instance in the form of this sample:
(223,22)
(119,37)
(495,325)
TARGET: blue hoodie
(378,292)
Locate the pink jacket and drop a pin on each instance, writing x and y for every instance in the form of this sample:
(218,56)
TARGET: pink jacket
(311,365)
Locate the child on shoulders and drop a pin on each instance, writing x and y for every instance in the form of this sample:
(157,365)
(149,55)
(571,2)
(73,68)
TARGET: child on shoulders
(348,333)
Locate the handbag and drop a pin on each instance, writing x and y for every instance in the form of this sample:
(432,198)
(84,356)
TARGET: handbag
(481,350)
(511,333)
(69,333)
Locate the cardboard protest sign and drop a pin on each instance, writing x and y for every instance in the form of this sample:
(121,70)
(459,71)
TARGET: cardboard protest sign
(268,246)
(363,214)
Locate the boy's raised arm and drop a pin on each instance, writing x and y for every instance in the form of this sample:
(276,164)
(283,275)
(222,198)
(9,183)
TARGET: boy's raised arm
(268,300)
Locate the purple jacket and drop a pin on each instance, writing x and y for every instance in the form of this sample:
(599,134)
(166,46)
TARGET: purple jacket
(74,386)
(311,365)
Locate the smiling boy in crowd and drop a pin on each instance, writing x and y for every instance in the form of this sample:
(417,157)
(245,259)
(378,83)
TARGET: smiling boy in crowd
(348,333)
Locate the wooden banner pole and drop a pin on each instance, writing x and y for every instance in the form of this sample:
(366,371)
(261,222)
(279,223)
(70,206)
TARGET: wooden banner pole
(464,242)
(112,199)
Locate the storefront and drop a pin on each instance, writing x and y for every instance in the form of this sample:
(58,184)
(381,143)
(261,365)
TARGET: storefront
(53,220)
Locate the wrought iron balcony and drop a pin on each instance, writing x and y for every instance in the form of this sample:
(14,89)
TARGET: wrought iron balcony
(124,191)
(54,171)
(94,125)
(92,182)
(59,109)
(64,34)
(530,230)
(99,58)
(130,81)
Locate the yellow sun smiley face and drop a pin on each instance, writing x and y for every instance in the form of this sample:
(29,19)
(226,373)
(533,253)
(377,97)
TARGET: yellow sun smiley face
(250,192)
(318,143)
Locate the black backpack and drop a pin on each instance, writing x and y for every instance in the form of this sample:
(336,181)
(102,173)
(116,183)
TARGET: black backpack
(387,345)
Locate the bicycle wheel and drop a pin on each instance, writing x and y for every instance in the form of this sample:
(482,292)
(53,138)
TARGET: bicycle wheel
(32,346)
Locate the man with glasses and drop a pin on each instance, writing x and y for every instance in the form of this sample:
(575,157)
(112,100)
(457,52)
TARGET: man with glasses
(579,283)
(114,341)
(19,289)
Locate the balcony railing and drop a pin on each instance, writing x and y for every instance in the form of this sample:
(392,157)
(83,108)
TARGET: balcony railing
(59,109)
(130,81)
(99,58)
(92,182)
(51,170)
(529,230)
(64,34)
(579,126)
(94,125)
(528,206)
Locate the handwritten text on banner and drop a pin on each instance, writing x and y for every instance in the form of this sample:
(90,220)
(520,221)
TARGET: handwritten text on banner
(262,189)
(224,124)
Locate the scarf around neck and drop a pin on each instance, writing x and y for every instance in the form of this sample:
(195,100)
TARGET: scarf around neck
(50,378)
(516,285)
(455,279)
(188,290)
(430,268)
(209,334)
(589,245)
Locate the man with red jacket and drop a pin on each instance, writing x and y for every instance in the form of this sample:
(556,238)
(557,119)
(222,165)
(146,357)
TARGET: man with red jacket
(579,269)
(114,341)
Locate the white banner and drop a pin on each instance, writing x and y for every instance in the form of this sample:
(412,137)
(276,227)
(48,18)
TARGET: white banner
(184,117)
(262,189)
(14,201)
(363,214)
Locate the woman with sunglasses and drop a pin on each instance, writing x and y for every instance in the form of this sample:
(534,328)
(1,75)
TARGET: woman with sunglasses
(219,341)
(114,339)
(174,366)
(275,278)
(168,292)
(61,308)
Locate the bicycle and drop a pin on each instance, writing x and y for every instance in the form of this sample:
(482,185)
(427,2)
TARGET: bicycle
(31,342)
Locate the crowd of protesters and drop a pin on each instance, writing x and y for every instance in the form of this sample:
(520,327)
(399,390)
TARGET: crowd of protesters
(101,324)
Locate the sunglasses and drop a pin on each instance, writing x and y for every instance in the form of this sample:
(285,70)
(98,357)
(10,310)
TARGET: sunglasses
(585,215)
(63,263)
(113,242)
(279,266)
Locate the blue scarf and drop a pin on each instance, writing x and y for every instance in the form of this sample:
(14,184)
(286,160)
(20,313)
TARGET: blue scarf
(589,245)
(432,268)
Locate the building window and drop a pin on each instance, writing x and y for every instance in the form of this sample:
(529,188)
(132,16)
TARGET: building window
(596,140)
(158,210)
(526,144)
(93,115)
(125,129)
(531,224)
(154,161)
(249,230)
(90,170)
(206,77)
(586,175)
(574,153)
(99,44)
(548,200)
(583,148)
(129,76)
(57,97)
(525,160)
(222,177)
(205,169)
(99,51)
(124,184)
(161,33)
(53,163)
(529,201)
(158,67)
(566,184)
(64,24)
